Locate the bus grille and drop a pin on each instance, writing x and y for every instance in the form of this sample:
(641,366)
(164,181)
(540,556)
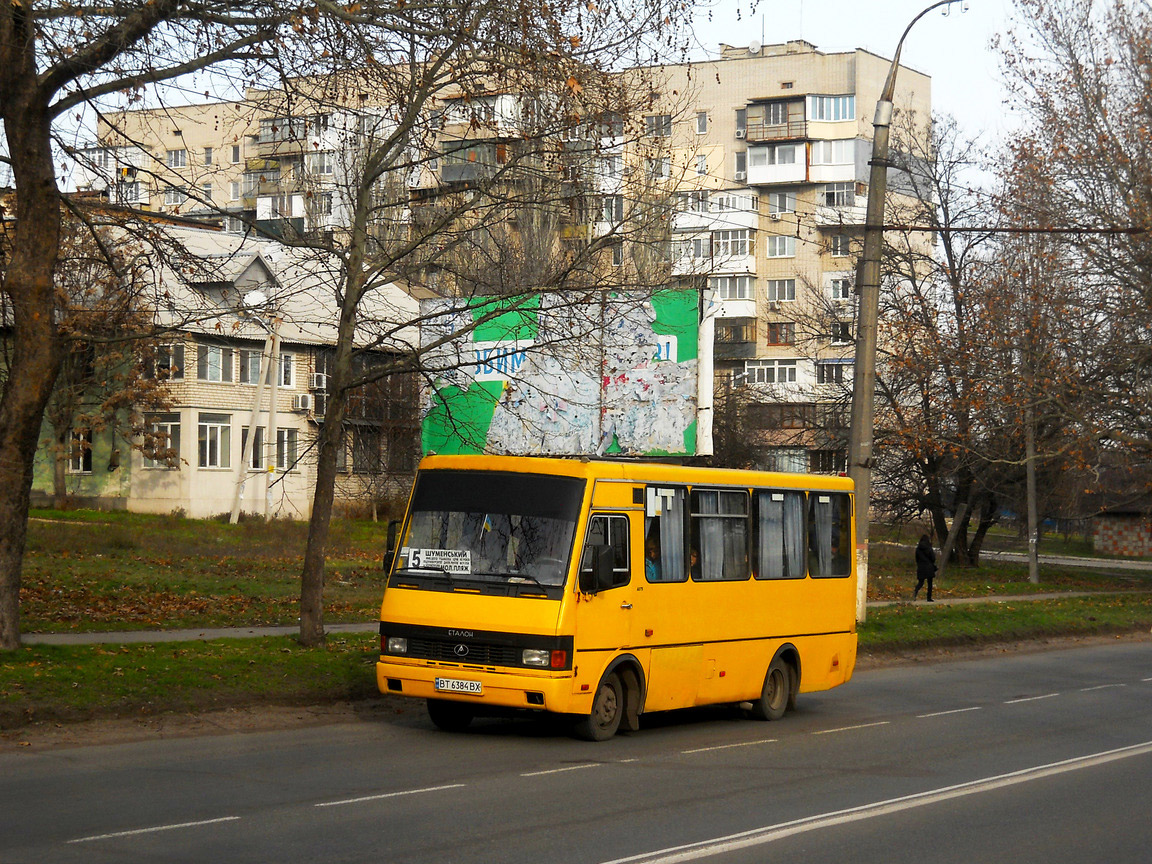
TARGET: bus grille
(478,654)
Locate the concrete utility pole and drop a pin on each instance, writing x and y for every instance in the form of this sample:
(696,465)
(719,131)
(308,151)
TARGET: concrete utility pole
(868,287)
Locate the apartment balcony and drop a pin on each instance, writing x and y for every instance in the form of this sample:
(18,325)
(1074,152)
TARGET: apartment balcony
(737,309)
(832,217)
(757,131)
(764,175)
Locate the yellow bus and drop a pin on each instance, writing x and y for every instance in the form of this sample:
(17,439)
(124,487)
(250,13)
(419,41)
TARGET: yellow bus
(608,589)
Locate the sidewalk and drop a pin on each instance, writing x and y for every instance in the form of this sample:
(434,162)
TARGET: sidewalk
(127,637)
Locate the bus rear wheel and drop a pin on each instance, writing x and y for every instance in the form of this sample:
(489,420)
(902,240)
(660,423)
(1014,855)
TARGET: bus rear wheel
(607,711)
(776,693)
(450,716)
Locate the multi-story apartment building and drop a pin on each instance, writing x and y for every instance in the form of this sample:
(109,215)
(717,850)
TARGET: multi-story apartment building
(774,144)
(761,156)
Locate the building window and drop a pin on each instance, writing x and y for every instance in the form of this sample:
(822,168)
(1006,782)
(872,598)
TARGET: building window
(777,246)
(695,202)
(250,366)
(320,162)
(658,125)
(168,364)
(730,243)
(841,288)
(365,450)
(235,154)
(781,290)
(617,254)
(833,373)
(701,122)
(174,196)
(729,201)
(730,331)
(827,461)
(741,164)
(660,167)
(162,441)
(781,333)
(214,363)
(207,156)
(701,164)
(781,154)
(214,437)
(256,454)
(832,108)
(741,121)
(839,152)
(177,158)
(286,448)
(612,209)
(839,245)
(287,368)
(769,371)
(841,331)
(838,195)
(776,114)
(732,287)
(781,202)
(80,452)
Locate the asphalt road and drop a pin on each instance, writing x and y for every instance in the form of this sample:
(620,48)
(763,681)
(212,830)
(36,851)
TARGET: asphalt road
(1023,758)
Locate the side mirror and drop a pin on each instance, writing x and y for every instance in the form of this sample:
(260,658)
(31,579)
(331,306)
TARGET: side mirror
(601,576)
(390,547)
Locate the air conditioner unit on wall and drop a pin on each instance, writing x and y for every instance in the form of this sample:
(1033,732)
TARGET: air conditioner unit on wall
(302,402)
(318,381)
(741,175)
(740,133)
(775,217)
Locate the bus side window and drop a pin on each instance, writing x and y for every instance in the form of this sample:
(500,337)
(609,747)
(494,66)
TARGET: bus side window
(609,531)
(665,543)
(829,534)
(780,547)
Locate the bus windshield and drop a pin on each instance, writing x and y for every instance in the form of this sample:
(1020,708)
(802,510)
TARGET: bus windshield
(487,526)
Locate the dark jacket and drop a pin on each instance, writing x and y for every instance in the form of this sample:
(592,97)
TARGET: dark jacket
(925,561)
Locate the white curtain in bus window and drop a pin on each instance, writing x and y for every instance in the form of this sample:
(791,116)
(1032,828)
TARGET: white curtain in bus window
(829,534)
(781,545)
(720,534)
(666,531)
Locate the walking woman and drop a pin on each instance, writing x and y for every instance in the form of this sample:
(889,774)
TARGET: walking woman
(925,565)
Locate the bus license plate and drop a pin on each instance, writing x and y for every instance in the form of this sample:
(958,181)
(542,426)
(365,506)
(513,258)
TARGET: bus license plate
(458,685)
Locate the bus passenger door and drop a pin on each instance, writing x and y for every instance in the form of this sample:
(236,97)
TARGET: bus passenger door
(604,620)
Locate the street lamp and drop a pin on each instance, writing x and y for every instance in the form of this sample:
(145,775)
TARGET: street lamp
(868,287)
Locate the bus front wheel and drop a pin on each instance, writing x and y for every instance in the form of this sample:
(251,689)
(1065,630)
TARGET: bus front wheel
(607,711)
(450,716)
(777,690)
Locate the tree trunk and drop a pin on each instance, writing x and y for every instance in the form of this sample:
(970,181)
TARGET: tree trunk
(28,282)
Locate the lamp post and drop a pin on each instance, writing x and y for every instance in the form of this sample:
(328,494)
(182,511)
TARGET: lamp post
(868,287)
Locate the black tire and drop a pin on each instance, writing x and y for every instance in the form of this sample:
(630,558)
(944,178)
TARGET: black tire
(607,711)
(775,694)
(450,716)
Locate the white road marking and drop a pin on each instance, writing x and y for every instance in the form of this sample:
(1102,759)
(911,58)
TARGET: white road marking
(729,746)
(953,711)
(770,833)
(1030,698)
(388,795)
(1100,687)
(154,829)
(850,728)
(561,770)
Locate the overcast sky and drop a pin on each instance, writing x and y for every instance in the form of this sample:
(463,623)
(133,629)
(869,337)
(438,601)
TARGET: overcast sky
(953,49)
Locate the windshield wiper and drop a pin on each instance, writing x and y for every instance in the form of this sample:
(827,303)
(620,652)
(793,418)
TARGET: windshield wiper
(437,568)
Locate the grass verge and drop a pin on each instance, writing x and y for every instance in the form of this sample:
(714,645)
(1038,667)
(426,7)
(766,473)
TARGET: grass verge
(69,683)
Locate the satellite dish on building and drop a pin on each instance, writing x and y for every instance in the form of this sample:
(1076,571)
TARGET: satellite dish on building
(754,46)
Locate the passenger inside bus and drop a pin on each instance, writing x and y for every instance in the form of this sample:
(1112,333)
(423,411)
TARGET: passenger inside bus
(652,558)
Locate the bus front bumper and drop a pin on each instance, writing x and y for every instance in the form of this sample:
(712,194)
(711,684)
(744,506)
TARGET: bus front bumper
(482,687)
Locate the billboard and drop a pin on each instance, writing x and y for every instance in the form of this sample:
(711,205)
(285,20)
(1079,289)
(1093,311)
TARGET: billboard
(563,374)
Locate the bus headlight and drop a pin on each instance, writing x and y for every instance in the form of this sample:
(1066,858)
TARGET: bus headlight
(396,645)
(536,657)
